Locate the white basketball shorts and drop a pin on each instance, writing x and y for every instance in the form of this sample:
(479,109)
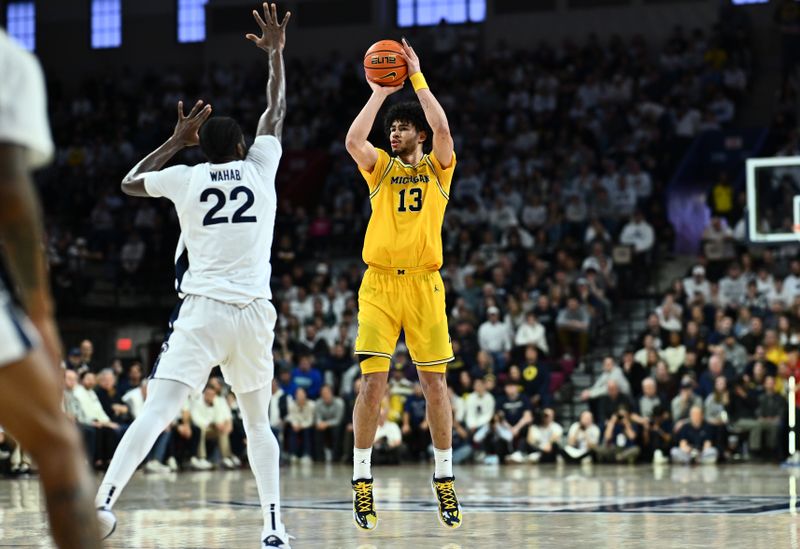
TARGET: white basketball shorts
(18,337)
(205,333)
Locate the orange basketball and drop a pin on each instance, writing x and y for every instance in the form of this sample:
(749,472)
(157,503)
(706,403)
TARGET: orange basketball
(384,65)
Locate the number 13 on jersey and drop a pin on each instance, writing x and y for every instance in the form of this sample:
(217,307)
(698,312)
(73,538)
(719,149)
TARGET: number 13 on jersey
(412,202)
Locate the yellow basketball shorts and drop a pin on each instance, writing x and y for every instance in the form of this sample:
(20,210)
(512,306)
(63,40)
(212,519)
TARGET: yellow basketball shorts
(391,300)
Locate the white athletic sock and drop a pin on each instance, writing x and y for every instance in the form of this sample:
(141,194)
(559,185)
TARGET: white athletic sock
(362,463)
(264,455)
(164,400)
(444,463)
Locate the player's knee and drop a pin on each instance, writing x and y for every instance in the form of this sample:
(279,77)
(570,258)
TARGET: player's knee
(373,389)
(433,385)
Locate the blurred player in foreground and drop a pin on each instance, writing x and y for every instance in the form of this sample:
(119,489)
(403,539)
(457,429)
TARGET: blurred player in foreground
(30,350)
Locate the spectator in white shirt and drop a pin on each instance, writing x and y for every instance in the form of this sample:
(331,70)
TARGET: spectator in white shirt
(650,343)
(639,179)
(669,314)
(733,287)
(610,178)
(686,121)
(494,337)
(301,422)
(779,295)
(723,108)
(470,183)
(697,283)
(596,231)
(502,216)
(479,410)
(534,214)
(624,198)
(792,282)
(674,354)
(544,440)
(134,399)
(302,307)
(108,432)
(764,281)
(638,233)
(132,254)
(611,372)
(90,404)
(598,260)
(582,439)
(575,212)
(531,332)
(212,415)
(718,238)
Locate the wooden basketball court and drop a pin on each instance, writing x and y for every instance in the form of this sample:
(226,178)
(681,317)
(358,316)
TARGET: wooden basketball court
(508,507)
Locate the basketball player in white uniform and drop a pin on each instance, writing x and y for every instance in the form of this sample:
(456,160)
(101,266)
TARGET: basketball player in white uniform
(226,208)
(30,350)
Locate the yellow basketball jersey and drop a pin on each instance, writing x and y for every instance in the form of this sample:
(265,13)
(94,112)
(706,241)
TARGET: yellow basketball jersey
(408,204)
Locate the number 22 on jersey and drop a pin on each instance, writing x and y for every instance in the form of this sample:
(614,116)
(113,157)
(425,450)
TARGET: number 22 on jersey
(213,193)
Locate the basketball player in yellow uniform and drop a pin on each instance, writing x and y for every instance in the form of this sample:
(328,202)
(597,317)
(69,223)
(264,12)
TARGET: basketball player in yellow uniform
(402,288)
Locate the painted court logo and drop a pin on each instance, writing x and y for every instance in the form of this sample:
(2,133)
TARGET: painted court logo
(629,505)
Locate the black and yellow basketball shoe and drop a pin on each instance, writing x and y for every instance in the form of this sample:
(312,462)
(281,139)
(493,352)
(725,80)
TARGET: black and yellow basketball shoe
(449,509)
(364,514)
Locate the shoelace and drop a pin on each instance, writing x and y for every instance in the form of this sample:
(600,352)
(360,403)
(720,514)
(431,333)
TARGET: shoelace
(447,495)
(363,497)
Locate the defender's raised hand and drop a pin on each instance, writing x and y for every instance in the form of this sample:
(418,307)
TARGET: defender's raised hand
(273,33)
(187,127)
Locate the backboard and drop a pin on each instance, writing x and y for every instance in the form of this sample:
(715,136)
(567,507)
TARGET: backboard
(773,199)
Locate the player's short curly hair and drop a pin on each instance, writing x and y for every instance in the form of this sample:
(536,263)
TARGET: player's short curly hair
(410,112)
(219,137)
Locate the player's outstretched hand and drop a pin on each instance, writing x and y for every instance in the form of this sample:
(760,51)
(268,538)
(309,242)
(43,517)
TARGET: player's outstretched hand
(187,127)
(273,32)
(411,58)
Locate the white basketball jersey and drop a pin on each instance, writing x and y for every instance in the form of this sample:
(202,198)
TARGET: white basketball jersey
(23,103)
(227,215)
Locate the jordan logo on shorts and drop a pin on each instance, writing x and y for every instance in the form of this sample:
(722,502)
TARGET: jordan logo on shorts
(401,271)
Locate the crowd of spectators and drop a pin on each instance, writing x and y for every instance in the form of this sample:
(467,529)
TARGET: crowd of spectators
(564,151)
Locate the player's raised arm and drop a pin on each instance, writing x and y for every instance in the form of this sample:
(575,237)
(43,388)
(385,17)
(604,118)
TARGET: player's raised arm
(356,141)
(272,41)
(434,113)
(186,134)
